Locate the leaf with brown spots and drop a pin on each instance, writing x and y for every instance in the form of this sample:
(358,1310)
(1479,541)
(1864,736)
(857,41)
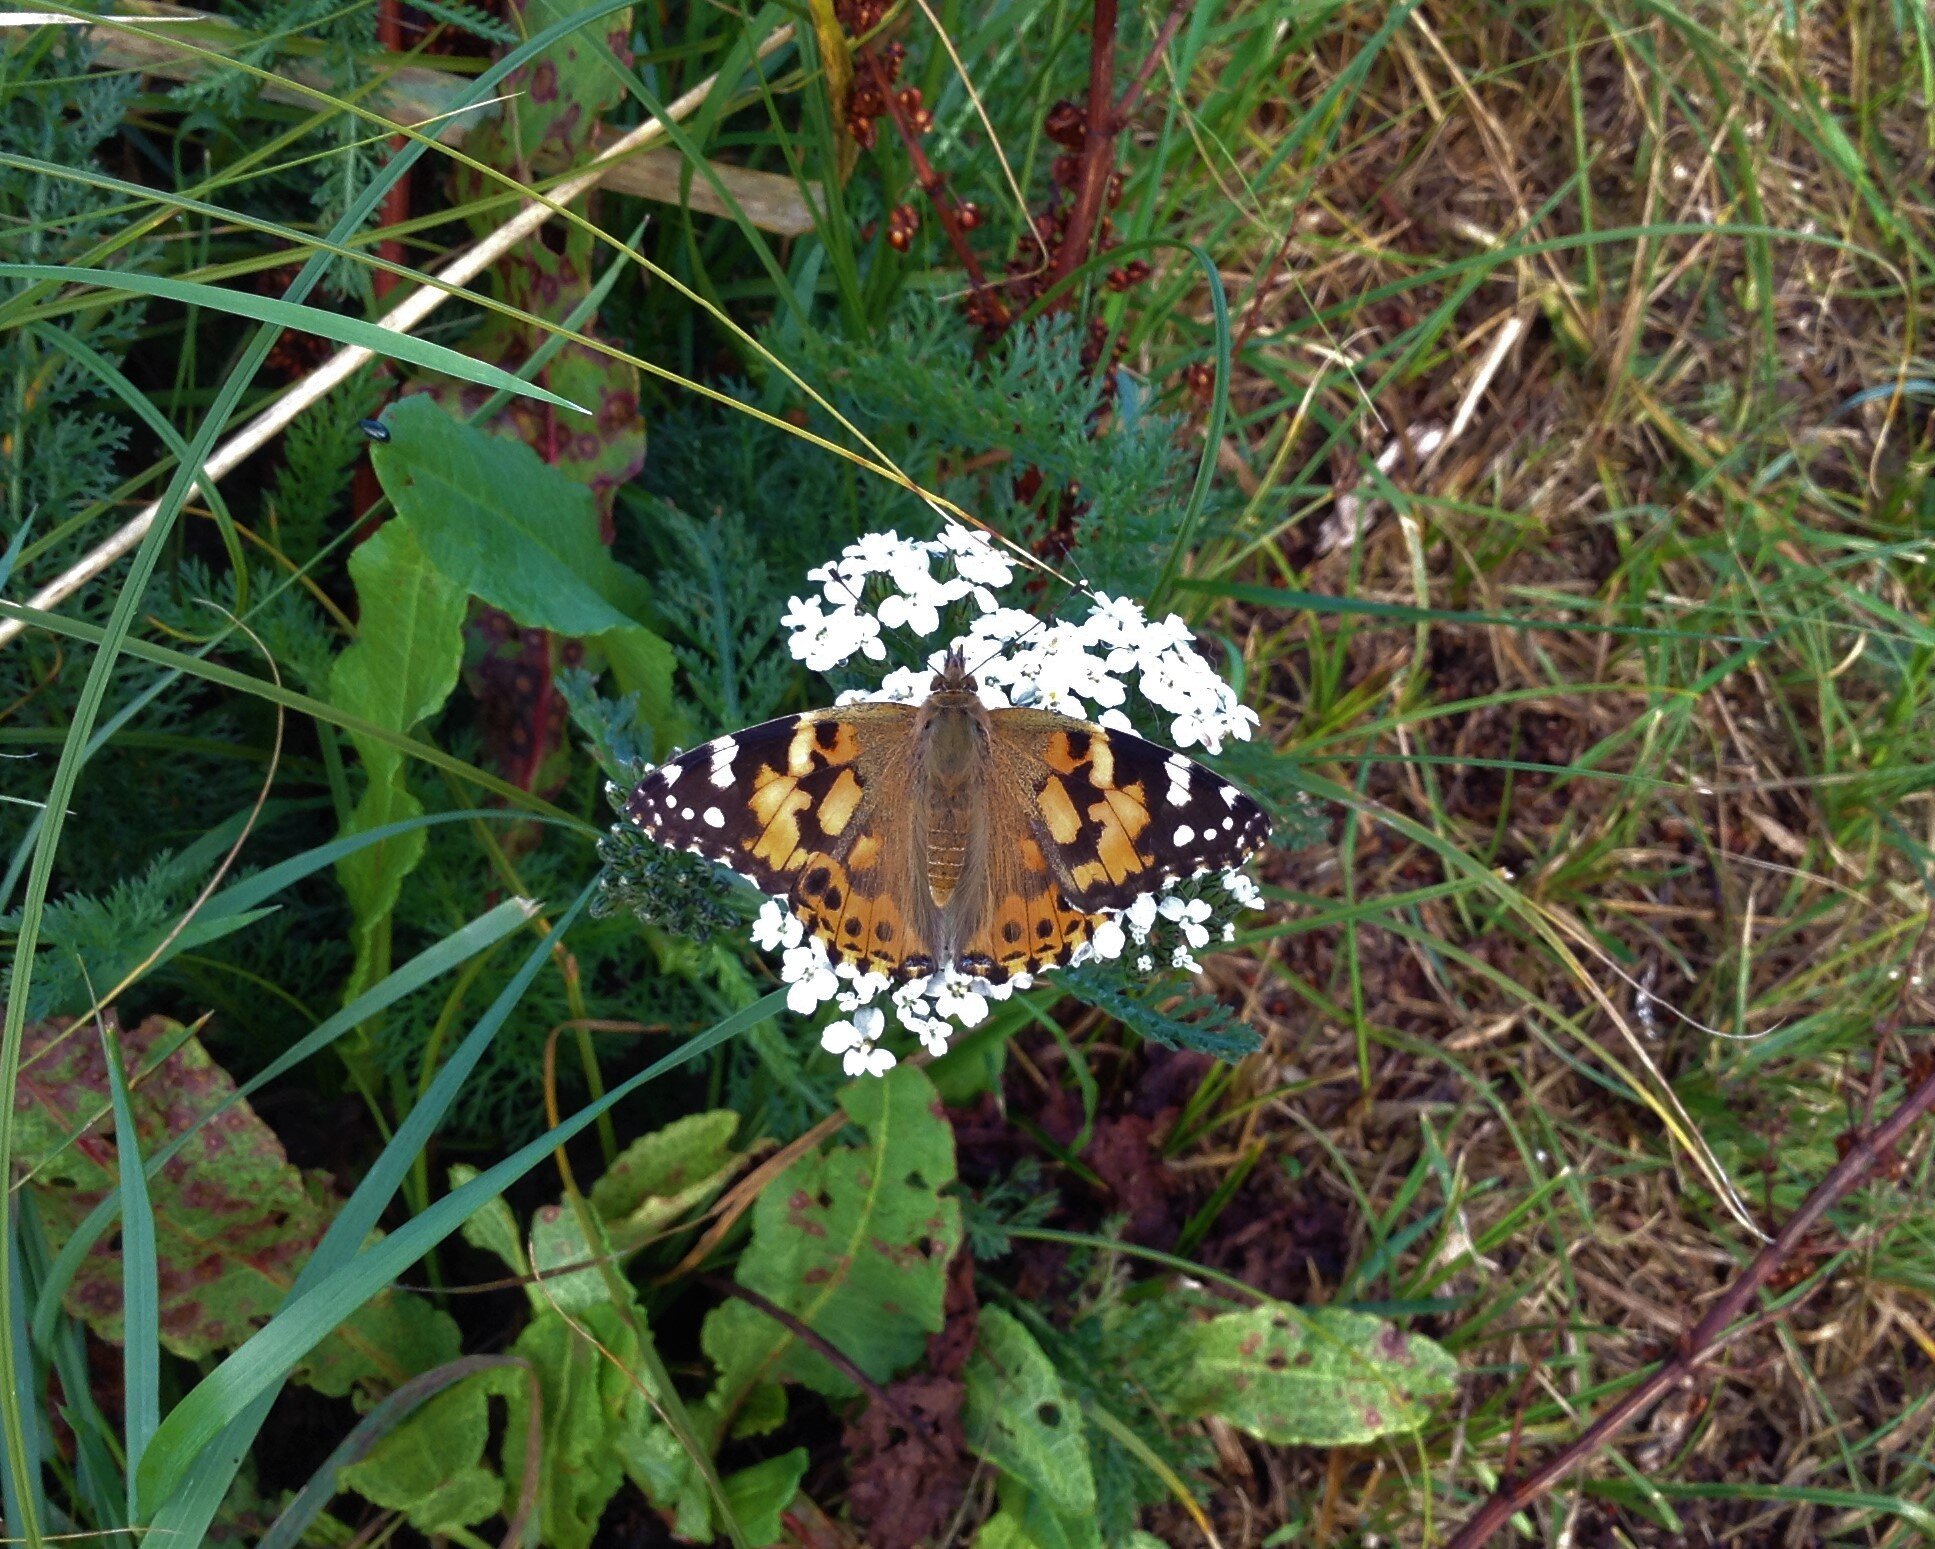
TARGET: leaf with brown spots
(854,1242)
(234,1220)
(1022,1420)
(1313,1377)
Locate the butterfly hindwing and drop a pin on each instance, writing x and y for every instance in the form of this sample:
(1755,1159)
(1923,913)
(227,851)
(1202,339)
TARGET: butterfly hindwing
(1027,923)
(1118,816)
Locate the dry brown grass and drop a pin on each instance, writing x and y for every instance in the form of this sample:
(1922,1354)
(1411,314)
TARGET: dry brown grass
(1736,829)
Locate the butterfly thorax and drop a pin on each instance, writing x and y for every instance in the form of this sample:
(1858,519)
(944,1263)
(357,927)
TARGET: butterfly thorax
(950,796)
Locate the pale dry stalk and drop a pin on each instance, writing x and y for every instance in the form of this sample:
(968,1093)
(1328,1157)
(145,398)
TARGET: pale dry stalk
(406,315)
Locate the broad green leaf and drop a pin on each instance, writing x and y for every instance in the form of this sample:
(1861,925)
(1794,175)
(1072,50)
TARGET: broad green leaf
(400,669)
(663,1175)
(431,1467)
(1027,1522)
(854,1241)
(762,1412)
(234,1221)
(558,1241)
(493,1228)
(1019,1417)
(654,1461)
(1323,1377)
(501,524)
(760,1493)
(593,1413)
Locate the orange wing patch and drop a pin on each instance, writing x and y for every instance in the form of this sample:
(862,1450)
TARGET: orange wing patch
(1095,822)
(1117,816)
(847,905)
(1029,925)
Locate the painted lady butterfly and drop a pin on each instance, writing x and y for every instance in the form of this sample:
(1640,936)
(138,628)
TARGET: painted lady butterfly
(911,838)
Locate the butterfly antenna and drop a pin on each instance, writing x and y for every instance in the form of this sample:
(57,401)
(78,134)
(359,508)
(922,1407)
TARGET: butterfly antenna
(1080,586)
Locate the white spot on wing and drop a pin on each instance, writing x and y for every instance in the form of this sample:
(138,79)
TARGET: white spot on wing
(670,773)
(723,749)
(1185,834)
(1178,768)
(687,814)
(714,818)
(1230,794)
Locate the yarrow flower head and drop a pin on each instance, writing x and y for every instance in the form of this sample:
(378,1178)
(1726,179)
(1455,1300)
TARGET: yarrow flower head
(1092,668)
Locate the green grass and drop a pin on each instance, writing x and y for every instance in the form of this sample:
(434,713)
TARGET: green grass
(1601,733)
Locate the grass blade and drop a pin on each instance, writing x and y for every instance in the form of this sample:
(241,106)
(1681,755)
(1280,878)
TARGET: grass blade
(280,313)
(140,1294)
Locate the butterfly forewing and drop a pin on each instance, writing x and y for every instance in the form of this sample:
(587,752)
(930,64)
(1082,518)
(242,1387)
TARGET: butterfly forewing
(763,799)
(1118,816)
(793,805)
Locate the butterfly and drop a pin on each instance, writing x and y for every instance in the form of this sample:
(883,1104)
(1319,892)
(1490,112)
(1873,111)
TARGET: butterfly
(913,838)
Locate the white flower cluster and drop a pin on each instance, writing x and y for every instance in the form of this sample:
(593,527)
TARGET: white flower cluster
(1083,668)
(1079,667)
(836,626)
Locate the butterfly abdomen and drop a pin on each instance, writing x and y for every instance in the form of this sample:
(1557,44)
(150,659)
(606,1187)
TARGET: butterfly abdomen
(951,791)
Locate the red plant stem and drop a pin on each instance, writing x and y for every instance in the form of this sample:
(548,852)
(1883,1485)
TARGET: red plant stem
(931,182)
(1164,37)
(1098,144)
(1698,1343)
(396,203)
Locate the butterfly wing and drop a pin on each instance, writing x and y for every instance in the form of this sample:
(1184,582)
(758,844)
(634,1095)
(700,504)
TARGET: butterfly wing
(1023,922)
(794,806)
(1116,816)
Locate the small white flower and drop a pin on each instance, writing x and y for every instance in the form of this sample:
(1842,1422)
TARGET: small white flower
(917,614)
(976,557)
(809,978)
(868,1062)
(1229,930)
(1141,916)
(876,550)
(776,928)
(1115,621)
(824,640)
(1180,958)
(1189,915)
(838,1037)
(843,583)
(1108,940)
(1242,887)
(802,613)
(959,1000)
(1145,964)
